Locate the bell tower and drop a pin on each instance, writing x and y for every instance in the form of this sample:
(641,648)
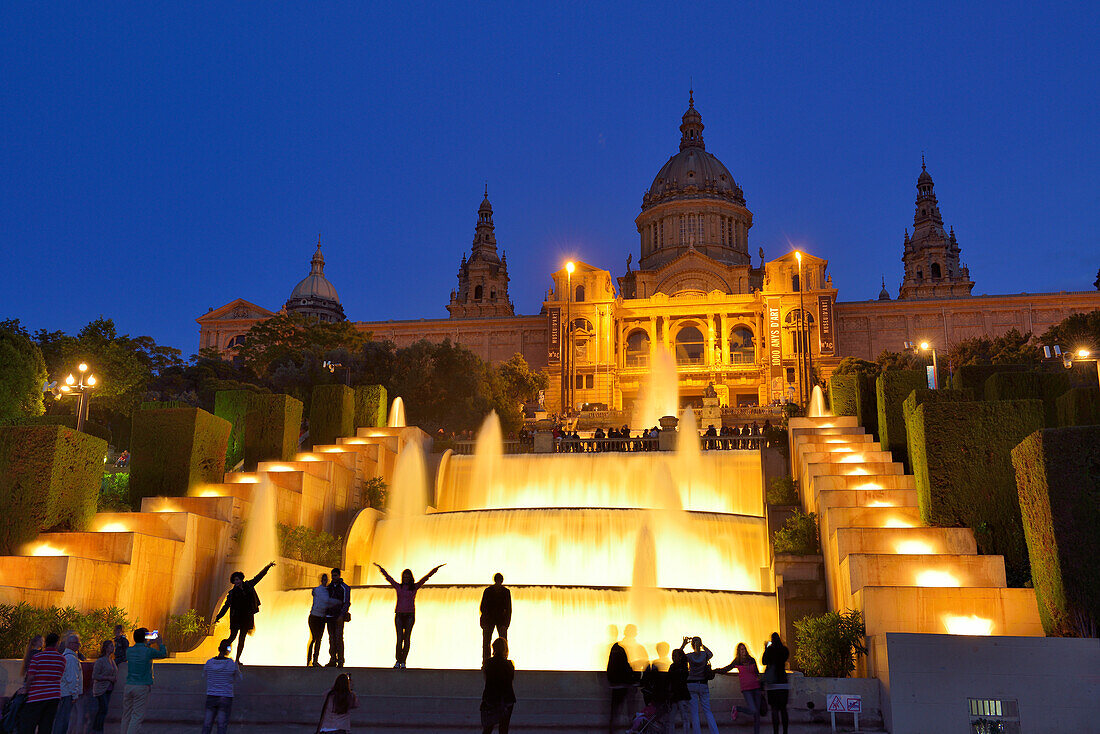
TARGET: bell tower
(931,255)
(483,278)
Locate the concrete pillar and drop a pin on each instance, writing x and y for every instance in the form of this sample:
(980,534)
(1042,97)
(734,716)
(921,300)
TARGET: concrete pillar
(724,326)
(710,340)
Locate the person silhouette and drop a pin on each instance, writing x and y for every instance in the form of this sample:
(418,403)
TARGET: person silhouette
(405,612)
(243,603)
(496,613)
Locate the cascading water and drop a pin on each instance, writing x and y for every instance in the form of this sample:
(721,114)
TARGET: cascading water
(662,544)
(397,413)
(817,404)
(660,394)
(260,541)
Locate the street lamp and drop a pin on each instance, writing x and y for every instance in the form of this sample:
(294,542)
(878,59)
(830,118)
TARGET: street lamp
(74,386)
(1081,355)
(803,375)
(569,390)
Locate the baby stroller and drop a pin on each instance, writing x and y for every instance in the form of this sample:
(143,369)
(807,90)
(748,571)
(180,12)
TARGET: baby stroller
(648,719)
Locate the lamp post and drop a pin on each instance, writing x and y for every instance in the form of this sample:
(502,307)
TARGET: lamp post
(926,347)
(802,376)
(1068,358)
(570,386)
(79,387)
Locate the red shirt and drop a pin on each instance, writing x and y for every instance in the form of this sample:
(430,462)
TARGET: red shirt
(46,668)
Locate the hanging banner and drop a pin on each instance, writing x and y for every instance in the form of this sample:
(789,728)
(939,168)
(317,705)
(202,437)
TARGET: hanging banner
(775,355)
(825,314)
(554,345)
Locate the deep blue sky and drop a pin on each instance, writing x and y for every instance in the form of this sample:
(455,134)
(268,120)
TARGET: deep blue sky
(161,158)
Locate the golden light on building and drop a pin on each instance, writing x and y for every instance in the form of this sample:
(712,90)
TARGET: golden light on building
(967,625)
(45,549)
(931,577)
(914,548)
(113,527)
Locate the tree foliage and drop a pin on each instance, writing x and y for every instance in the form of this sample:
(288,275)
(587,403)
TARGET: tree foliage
(825,646)
(1012,347)
(1081,330)
(22,372)
(295,340)
(856,366)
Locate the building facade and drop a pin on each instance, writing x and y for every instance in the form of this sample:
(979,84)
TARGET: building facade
(742,330)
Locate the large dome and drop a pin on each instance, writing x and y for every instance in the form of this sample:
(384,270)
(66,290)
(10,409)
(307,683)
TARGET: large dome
(315,285)
(693,173)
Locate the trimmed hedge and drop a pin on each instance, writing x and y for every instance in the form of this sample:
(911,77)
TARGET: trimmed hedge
(174,449)
(973,376)
(265,426)
(49,478)
(962,462)
(20,622)
(925,395)
(1079,406)
(1058,478)
(867,404)
(891,389)
(331,414)
(370,406)
(842,394)
(1045,386)
(69,421)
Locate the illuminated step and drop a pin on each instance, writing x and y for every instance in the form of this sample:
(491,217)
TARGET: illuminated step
(843,461)
(858,570)
(215,504)
(866,498)
(114,544)
(962,611)
(832,421)
(917,540)
(171,524)
(864,481)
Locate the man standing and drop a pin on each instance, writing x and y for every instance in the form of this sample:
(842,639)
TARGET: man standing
(121,643)
(338,614)
(139,679)
(72,684)
(44,674)
(496,612)
(221,673)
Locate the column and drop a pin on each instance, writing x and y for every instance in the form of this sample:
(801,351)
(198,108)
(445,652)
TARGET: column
(652,340)
(725,337)
(710,340)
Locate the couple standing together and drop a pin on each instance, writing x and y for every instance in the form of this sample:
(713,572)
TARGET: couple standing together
(331,611)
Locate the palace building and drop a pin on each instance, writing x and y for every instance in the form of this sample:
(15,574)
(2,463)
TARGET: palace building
(747,329)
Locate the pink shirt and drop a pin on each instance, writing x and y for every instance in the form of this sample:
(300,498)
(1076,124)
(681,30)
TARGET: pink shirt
(406,598)
(748,676)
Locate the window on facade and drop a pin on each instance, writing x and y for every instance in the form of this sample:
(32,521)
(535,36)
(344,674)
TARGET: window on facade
(477,292)
(935,270)
(722,227)
(637,349)
(583,335)
(661,232)
(795,285)
(235,342)
(742,346)
(683,230)
(920,275)
(690,346)
(794,327)
(579,295)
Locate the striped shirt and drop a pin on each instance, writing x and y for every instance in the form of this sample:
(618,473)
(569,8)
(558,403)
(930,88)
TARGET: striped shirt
(220,675)
(46,669)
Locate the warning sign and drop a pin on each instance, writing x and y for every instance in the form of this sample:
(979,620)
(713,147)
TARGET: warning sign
(840,703)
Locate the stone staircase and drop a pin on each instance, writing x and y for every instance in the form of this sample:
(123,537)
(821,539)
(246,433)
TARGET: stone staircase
(170,556)
(881,559)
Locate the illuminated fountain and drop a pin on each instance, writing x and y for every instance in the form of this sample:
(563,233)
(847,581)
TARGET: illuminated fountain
(660,394)
(817,404)
(674,543)
(397,413)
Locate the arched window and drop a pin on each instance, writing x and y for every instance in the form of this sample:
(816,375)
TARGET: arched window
(690,346)
(235,342)
(935,270)
(637,348)
(478,290)
(794,326)
(579,294)
(492,295)
(742,345)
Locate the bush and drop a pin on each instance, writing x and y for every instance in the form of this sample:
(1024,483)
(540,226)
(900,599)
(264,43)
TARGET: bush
(20,622)
(973,376)
(826,646)
(1079,406)
(331,414)
(1045,386)
(311,546)
(174,449)
(962,462)
(265,426)
(867,404)
(49,479)
(69,421)
(370,406)
(1058,479)
(891,389)
(184,632)
(114,493)
(374,493)
(798,535)
(782,491)
(842,393)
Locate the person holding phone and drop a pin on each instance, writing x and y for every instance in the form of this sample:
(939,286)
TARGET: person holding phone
(147,647)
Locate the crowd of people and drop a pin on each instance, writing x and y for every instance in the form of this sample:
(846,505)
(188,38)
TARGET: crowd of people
(64,694)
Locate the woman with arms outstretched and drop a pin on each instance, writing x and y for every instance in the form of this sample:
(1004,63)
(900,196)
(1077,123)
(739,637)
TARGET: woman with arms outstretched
(405,611)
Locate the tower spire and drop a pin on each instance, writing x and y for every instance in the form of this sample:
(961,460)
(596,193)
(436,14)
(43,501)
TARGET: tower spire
(691,126)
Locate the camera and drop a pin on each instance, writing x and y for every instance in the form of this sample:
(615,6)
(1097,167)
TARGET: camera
(154,635)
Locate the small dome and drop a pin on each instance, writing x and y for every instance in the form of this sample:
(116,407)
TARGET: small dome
(315,285)
(884,295)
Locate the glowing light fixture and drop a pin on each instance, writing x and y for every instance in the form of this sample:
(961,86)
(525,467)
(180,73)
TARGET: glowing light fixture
(570,267)
(1082,353)
(880,503)
(870,485)
(936,578)
(857,473)
(210,493)
(45,549)
(914,548)
(279,468)
(70,380)
(82,367)
(898,522)
(113,527)
(852,459)
(91,380)
(972,625)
